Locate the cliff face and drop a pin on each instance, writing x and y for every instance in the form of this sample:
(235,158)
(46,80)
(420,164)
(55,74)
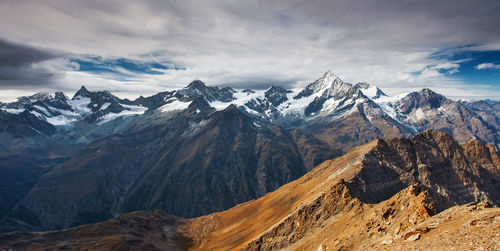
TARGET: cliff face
(452,173)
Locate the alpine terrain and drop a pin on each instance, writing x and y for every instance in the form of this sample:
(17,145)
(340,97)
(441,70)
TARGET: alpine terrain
(202,149)
(423,192)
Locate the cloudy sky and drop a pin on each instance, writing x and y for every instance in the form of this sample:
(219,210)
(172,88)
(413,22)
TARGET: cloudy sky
(137,48)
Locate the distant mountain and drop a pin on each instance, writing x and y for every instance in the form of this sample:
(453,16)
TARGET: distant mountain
(427,191)
(202,149)
(326,104)
(489,111)
(428,110)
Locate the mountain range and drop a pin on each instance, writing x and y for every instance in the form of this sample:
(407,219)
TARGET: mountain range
(201,149)
(423,192)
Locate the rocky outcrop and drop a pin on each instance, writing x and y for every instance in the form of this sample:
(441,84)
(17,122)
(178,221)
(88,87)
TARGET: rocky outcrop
(432,159)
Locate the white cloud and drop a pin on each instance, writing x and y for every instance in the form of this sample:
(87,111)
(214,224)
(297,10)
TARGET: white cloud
(447,66)
(487,66)
(430,73)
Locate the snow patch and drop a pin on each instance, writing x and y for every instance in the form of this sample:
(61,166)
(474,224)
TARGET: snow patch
(370,92)
(38,115)
(60,120)
(175,105)
(194,127)
(240,99)
(80,105)
(387,104)
(130,110)
(105,106)
(419,114)
(42,109)
(13,111)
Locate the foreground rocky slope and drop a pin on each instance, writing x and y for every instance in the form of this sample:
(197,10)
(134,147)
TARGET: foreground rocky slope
(392,194)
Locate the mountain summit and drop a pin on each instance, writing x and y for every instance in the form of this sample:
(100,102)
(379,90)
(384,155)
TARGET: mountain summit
(82,92)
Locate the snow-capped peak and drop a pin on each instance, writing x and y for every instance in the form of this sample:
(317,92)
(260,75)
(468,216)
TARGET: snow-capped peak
(196,84)
(40,96)
(82,92)
(328,80)
(60,96)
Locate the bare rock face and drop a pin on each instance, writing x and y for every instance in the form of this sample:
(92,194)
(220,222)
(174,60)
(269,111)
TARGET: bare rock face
(363,123)
(484,154)
(429,110)
(432,159)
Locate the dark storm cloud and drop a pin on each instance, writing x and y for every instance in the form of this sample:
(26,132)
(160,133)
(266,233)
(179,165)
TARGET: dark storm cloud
(16,55)
(19,65)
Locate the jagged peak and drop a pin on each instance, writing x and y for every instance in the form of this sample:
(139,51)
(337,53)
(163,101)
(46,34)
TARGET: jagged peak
(60,95)
(275,88)
(39,96)
(82,92)
(83,89)
(327,80)
(434,135)
(197,84)
(329,74)
(228,89)
(427,91)
(424,97)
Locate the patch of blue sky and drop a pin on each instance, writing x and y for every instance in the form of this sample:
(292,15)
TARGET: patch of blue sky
(121,67)
(469,60)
